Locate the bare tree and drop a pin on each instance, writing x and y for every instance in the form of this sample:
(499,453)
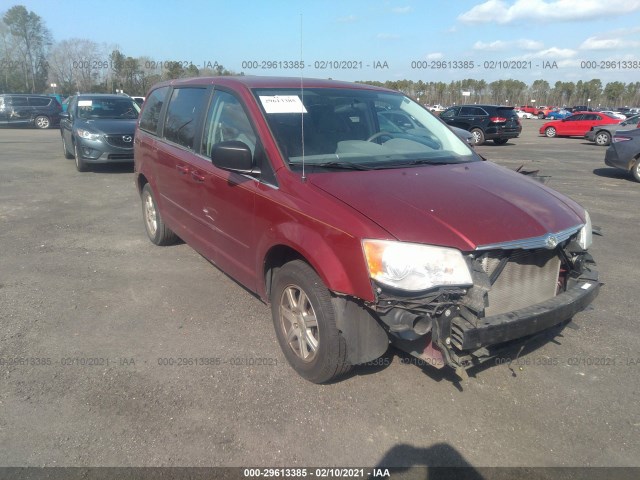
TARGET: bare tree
(77,65)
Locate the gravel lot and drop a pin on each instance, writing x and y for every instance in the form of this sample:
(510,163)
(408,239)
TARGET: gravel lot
(91,313)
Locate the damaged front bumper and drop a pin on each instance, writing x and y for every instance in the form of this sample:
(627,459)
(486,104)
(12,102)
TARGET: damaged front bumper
(462,327)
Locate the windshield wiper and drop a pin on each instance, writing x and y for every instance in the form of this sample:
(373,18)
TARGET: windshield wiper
(423,161)
(336,165)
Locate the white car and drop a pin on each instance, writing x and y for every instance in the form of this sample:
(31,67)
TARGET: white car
(522,114)
(613,114)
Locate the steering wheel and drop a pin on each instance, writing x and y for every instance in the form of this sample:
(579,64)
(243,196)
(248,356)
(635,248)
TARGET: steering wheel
(379,134)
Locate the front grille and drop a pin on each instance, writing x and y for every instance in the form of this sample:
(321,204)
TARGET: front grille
(120,141)
(529,277)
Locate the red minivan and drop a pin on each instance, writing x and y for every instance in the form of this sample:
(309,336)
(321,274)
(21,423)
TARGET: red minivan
(359,231)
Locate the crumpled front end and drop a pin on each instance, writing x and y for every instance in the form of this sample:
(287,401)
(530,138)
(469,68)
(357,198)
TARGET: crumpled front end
(519,290)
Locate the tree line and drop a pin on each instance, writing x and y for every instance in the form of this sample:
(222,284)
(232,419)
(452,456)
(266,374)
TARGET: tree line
(515,92)
(31,62)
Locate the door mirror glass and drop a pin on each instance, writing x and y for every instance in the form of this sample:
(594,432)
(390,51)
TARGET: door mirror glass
(232,155)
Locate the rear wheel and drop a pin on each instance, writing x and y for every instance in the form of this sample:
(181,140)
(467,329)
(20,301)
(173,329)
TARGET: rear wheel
(157,231)
(478,136)
(550,132)
(541,116)
(603,138)
(500,141)
(42,121)
(304,320)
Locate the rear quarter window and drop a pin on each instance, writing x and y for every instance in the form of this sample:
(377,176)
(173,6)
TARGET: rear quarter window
(39,101)
(151,113)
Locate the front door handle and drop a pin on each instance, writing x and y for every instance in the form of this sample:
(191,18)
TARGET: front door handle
(182,169)
(197,176)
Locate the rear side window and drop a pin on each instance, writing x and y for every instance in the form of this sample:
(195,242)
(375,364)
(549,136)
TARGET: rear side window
(182,115)
(151,113)
(471,111)
(19,101)
(39,101)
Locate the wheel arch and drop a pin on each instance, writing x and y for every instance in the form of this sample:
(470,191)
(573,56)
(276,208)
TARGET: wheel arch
(337,259)
(365,337)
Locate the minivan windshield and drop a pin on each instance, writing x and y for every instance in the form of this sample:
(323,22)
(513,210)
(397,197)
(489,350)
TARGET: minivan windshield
(343,128)
(111,108)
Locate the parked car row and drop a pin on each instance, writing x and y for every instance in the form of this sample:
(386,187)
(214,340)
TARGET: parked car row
(40,111)
(577,124)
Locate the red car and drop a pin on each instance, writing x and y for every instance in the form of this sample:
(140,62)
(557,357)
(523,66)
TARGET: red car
(577,124)
(540,112)
(358,232)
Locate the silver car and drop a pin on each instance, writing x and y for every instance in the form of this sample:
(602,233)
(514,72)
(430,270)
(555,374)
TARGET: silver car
(602,134)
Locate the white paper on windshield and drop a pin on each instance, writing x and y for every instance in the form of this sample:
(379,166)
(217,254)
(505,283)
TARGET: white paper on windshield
(85,103)
(282,104)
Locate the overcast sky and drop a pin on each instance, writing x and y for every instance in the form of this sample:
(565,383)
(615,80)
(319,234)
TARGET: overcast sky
(406,39)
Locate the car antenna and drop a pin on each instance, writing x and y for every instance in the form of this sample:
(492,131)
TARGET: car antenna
(304,178)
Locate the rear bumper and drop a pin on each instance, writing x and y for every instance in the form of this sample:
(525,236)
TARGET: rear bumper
(492,133)
(530,320)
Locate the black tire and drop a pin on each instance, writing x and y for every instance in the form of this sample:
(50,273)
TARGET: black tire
(603,138)
(81,165)
(42,122)
(500,141)
(541,116)
(550,132)
(156,229)
(299,295)
(478,136)
(65,150)
(635,170)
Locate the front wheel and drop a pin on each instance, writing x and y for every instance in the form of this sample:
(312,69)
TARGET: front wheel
(541,116)
(550,132)
(304,320)
(81,165)
(603,138)
(42,121)
(65,150)
(478,136)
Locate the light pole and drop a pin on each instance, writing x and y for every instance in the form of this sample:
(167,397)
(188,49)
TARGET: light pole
(53,85)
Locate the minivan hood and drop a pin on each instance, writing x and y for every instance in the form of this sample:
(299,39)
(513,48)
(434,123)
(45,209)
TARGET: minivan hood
(108,125)
(458,205)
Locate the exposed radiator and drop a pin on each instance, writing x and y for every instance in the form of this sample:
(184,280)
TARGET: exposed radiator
(529,277)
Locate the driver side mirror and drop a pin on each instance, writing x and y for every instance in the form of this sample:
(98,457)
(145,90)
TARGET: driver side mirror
(233,155)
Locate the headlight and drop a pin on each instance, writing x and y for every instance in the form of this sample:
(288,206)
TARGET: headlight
(585,236)
(87,134)
(415,267)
